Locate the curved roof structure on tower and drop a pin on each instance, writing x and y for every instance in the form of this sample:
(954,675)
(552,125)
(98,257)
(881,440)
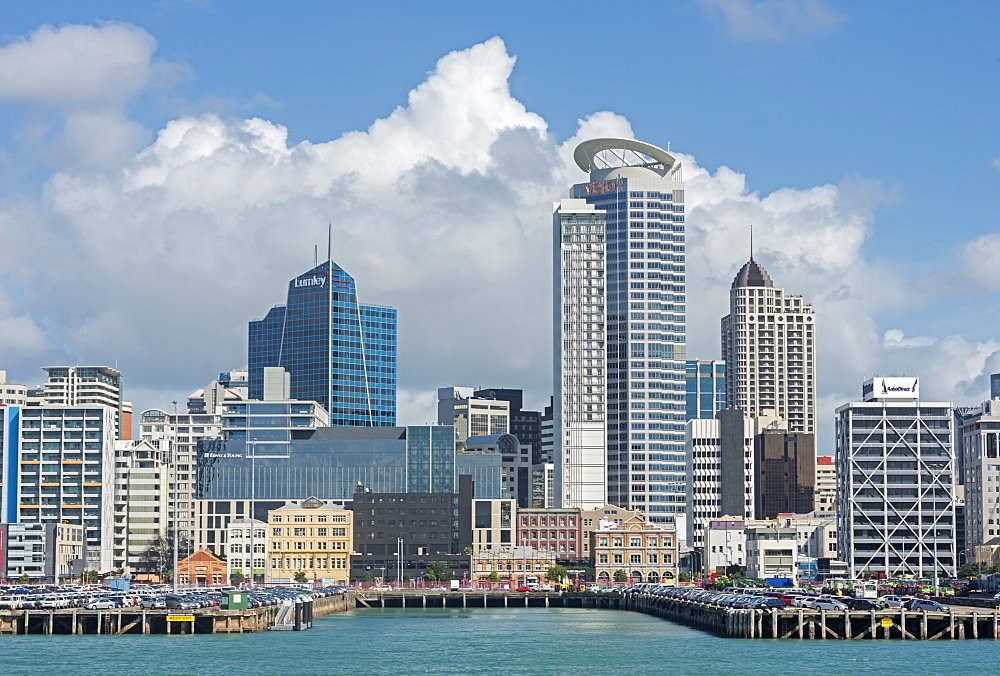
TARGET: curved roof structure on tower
(609,153)
(752,274)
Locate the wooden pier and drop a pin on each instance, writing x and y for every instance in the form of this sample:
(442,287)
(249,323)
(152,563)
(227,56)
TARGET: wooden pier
(140,621)
(778,623)
(806,623)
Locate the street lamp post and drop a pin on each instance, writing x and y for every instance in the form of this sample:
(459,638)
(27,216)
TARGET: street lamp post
(173,460)
(399,562)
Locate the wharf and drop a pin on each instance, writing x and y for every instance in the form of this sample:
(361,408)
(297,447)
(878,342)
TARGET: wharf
(806,623)
(141,621)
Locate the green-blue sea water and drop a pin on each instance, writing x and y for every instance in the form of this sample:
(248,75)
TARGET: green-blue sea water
(487,641)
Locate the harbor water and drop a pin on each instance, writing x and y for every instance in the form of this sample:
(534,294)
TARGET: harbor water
(485,641)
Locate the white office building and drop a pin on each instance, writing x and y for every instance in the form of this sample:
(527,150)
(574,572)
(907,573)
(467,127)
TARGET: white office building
(472,416)
(636,255)
(10,394)
(579,416)
(715,487)
(142,486)
(896,482)
(981,468)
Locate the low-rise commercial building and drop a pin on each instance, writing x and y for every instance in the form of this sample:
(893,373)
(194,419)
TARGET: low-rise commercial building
(637,549)
(202,569)
(249,543)
(511,567)
(551,530)
(310,540)
(772,552)
(400,534)
(44,552)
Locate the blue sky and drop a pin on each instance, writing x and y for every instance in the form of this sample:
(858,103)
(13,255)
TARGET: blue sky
(893,107)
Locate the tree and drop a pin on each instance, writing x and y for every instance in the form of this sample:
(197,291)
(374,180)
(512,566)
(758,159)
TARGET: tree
(237,577)
(684,576)
(971,569)
(159,555)
(24,579)
(436,571)
(89,576)
(493,577)
(300,577)
(556,573)
(621,576)
(369,578)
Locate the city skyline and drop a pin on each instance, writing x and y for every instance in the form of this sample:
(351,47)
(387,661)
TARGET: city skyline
(203,187)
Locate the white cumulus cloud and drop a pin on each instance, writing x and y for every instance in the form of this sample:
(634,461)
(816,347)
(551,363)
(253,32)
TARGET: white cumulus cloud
(86,75)
(157,259)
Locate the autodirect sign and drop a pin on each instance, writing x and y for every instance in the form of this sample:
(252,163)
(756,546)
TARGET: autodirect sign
(879,388)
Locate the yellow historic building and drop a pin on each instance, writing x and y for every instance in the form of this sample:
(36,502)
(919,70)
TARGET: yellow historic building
(643,551)
(310,537)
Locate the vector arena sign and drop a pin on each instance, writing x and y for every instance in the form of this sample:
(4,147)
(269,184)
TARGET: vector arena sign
(601,188)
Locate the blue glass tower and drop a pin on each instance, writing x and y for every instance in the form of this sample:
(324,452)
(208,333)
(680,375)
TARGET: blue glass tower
(706,388)
(337,351)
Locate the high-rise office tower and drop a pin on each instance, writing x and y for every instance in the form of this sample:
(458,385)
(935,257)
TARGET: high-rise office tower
(339,353)
(635,267)
(86,385)
(768,344)
(58,466)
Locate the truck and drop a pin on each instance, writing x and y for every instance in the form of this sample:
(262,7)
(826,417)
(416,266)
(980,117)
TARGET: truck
(453,585)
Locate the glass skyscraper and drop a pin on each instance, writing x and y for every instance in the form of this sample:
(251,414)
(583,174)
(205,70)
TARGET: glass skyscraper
(338,352)
(639,189)
(706,388)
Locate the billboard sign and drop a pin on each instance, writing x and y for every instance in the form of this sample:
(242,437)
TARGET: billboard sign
(879,388)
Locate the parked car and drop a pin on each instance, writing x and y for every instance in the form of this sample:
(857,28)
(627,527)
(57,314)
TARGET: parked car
(153,602)
(103,604)
(894,601)
(180,603)
(862,604)
(928,605)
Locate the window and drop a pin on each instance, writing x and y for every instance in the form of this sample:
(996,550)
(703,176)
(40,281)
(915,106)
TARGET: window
(300,518)
(276,531)
(299,532)
(635,541)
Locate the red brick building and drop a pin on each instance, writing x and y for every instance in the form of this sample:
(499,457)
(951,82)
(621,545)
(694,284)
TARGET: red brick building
(557,531)
(203,569)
